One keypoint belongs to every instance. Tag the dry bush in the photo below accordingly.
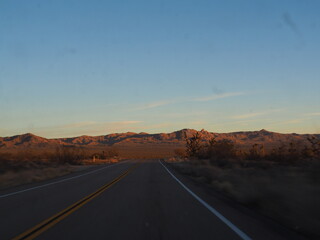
(19, 161)
(256, 152)
(193, 145)
(69, 154)
(315, 147)
(288, 154)
(222, 149)
(13, 178)
(111, 153)
(214, 150)
(218, 151)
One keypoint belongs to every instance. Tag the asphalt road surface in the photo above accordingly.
(129, 200)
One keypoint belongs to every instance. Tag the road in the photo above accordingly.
(130, 200)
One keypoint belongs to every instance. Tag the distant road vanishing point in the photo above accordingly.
(129, 200)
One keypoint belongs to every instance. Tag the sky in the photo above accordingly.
(71, 68)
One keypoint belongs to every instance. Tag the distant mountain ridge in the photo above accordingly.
(177, 137)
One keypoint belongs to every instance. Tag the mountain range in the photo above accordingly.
(174, 138)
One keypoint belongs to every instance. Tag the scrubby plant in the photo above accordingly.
(222, 149)
(193, 145)
(315, 146)
(69, 154)
(306, 152)
(294, 152)
(256, 152)
(111, 153)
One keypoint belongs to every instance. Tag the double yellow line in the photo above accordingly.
(48, 223)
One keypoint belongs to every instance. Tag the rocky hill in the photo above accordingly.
(131, 138)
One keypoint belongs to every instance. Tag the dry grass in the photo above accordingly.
(15, 178)
(288, 194)
(26, 165)
(33, 165)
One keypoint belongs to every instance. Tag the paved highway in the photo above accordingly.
(129, 200)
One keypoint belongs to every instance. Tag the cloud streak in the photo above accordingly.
(154, 104)
(173, 101)
(256, 114)
(78, 124)
(313, 114)
(218, 96)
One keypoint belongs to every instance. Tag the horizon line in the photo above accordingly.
(85, 135)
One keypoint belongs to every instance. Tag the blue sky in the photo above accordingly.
(70, 68)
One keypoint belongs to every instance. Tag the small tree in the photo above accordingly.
(193, 145)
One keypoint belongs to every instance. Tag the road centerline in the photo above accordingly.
(51, 221)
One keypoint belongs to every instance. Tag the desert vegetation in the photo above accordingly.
(197, 150)
(282, 183)
(21, 166)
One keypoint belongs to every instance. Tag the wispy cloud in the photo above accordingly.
(218, 96)
(198, 122)
(313, 114)
(287, 122)
(294, 121)
(184, 114)
(128, 122)
(78, 124)
(255, 114)
(154, 104)
(92, 124)
(249, 115)
(245, 121)
(165, 102)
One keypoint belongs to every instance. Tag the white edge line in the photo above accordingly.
(211, 209)
(60, 181)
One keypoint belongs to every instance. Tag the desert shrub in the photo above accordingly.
(306, 152)
(291, 153)
(294, 151)
(111, 153)
(256, 152)
(278, 154)
(222, 149)
(193, 145)
(27, 155)
(315, 146)
(219, 152)
(69, 154)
